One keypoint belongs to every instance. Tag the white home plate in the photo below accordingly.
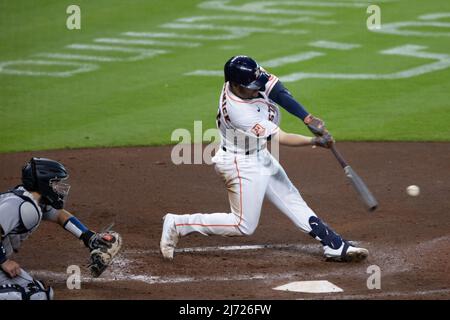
(321, 286)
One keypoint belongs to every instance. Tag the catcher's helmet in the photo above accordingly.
(246, 72)
(45, 176)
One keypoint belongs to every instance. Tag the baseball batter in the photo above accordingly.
(247, 118)
(42, 196)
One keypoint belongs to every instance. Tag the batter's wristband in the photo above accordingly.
(3, 257)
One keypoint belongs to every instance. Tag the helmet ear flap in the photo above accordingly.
(227, 69)
(34, 173)
(29, 176)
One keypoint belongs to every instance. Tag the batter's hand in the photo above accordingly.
(324, 141)
(315, 125)
(11, 268)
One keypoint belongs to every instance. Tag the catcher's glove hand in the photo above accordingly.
(104, 247)
(316, 125)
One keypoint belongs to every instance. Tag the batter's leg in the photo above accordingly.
(285, 196)
(246, 190)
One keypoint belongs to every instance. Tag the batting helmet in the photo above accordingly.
(46, 177)
(246, 72)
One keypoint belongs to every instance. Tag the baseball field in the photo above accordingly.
(103, 88)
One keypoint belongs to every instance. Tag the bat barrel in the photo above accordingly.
(367, 197)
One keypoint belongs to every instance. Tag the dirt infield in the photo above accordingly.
(408, 237)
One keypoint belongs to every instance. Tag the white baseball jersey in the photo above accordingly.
(248, 176)
(246, 124)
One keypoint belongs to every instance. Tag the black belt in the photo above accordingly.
(246, 153)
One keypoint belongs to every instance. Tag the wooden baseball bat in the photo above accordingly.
(367, 197)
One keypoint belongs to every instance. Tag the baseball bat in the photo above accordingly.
(359, 185)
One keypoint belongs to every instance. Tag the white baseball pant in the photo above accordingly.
(248, 178)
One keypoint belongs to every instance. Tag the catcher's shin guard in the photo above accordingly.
(38, 291)
(35, 290)
(12, 292)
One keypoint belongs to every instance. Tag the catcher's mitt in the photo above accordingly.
(104, 247)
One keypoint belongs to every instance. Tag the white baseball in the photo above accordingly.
(413, 191)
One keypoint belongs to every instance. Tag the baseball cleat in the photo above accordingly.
(346, 253)
(169, 237)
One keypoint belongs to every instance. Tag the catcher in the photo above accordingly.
(42, 196)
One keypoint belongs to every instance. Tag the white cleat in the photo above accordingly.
(346, 253)
(169, 237)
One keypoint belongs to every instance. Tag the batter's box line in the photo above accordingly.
(149, 279)
(308, 248)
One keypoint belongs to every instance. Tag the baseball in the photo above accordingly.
(413, 191)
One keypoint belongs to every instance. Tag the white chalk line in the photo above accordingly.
(264, 7)
(119, 269)
(147, 42)
(405, 50)
(395, 28)
(234, 29)
(143, 53)
(155, 280)
(205, 73)
(274, 21)
(232, 32)
(278, 62)
(148, 279)
(231, 36)
(259, 7)
(309, 248)
(334, 45)
(239, 32)
(434, 16)
(95, 47)
(120, 275)
(412, 50)
(75, 66)
(409, 50)
(291, 59)
(69, 56)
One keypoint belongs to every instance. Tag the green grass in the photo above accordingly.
(142, 102)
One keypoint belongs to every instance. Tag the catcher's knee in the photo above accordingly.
(35, 290)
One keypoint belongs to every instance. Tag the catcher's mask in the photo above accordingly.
(48, 178)
(246, 72)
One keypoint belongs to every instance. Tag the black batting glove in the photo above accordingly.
(324, 141)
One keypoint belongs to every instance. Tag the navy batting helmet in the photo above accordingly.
(246, 72)
(46, 177)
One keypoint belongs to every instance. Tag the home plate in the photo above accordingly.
(321, 286)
